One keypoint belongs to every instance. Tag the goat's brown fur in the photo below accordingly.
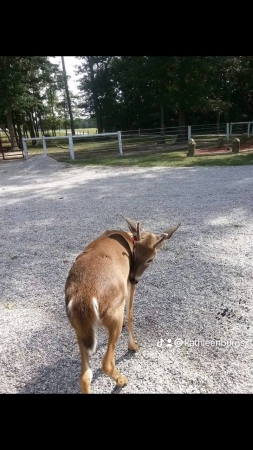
(101, 281)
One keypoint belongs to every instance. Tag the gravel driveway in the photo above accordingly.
(193, 307)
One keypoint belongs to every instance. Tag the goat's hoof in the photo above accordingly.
(133, 347)
(122, 381)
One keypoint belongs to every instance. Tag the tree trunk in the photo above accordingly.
(36, 126)
(14, 146)
(41, 125)
(20, 136)
(95, 96)
(16, 134)
(162, 139)
(52, 111)
(68, 97)
(51, 102)
(25, 134)
(218, 122)
(101, 125)
(33, 118)
(182, 134)
(228, 108)
(32, 133)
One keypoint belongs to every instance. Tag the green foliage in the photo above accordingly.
(22, 80)
(52, 123)
(127, 92)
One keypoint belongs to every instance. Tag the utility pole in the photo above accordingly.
(68, 97)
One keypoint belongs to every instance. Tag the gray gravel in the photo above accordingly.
(193, 307)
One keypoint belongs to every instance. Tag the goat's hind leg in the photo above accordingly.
(87, 346)
(86, 373)
(130, 315)
(114, 325)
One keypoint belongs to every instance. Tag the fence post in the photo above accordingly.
(44, 145)
(189, 132)
(227, 131)
(120, 143)
(248, 133)
(71, 148)
(25, 148)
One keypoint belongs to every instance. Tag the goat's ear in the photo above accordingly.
(134, 227)
(162, 237)
(171, 230)
(160, 240)
(138, 231)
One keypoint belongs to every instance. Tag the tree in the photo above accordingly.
(68, 96)
(22, 82)
(125, 92)
(97, 88)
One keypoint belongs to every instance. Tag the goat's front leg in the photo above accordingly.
(129, 312)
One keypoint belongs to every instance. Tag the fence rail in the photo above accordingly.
(70, 139)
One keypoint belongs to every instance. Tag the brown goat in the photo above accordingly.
(101, 281)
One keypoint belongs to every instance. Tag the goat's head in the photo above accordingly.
(145, 247)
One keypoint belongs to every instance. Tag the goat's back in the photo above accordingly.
(101, 270)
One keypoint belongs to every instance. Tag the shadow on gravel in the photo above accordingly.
(63, 377)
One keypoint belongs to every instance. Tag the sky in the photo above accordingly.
(70, 62)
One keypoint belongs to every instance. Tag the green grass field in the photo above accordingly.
(59, 133)
(78, 131)
(148, 158)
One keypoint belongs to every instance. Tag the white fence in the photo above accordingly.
(222, 129)
(142, 139)
(70, 140)
(171, 138)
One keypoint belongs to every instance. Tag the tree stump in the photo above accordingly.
(191, 147)
(236, 145)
